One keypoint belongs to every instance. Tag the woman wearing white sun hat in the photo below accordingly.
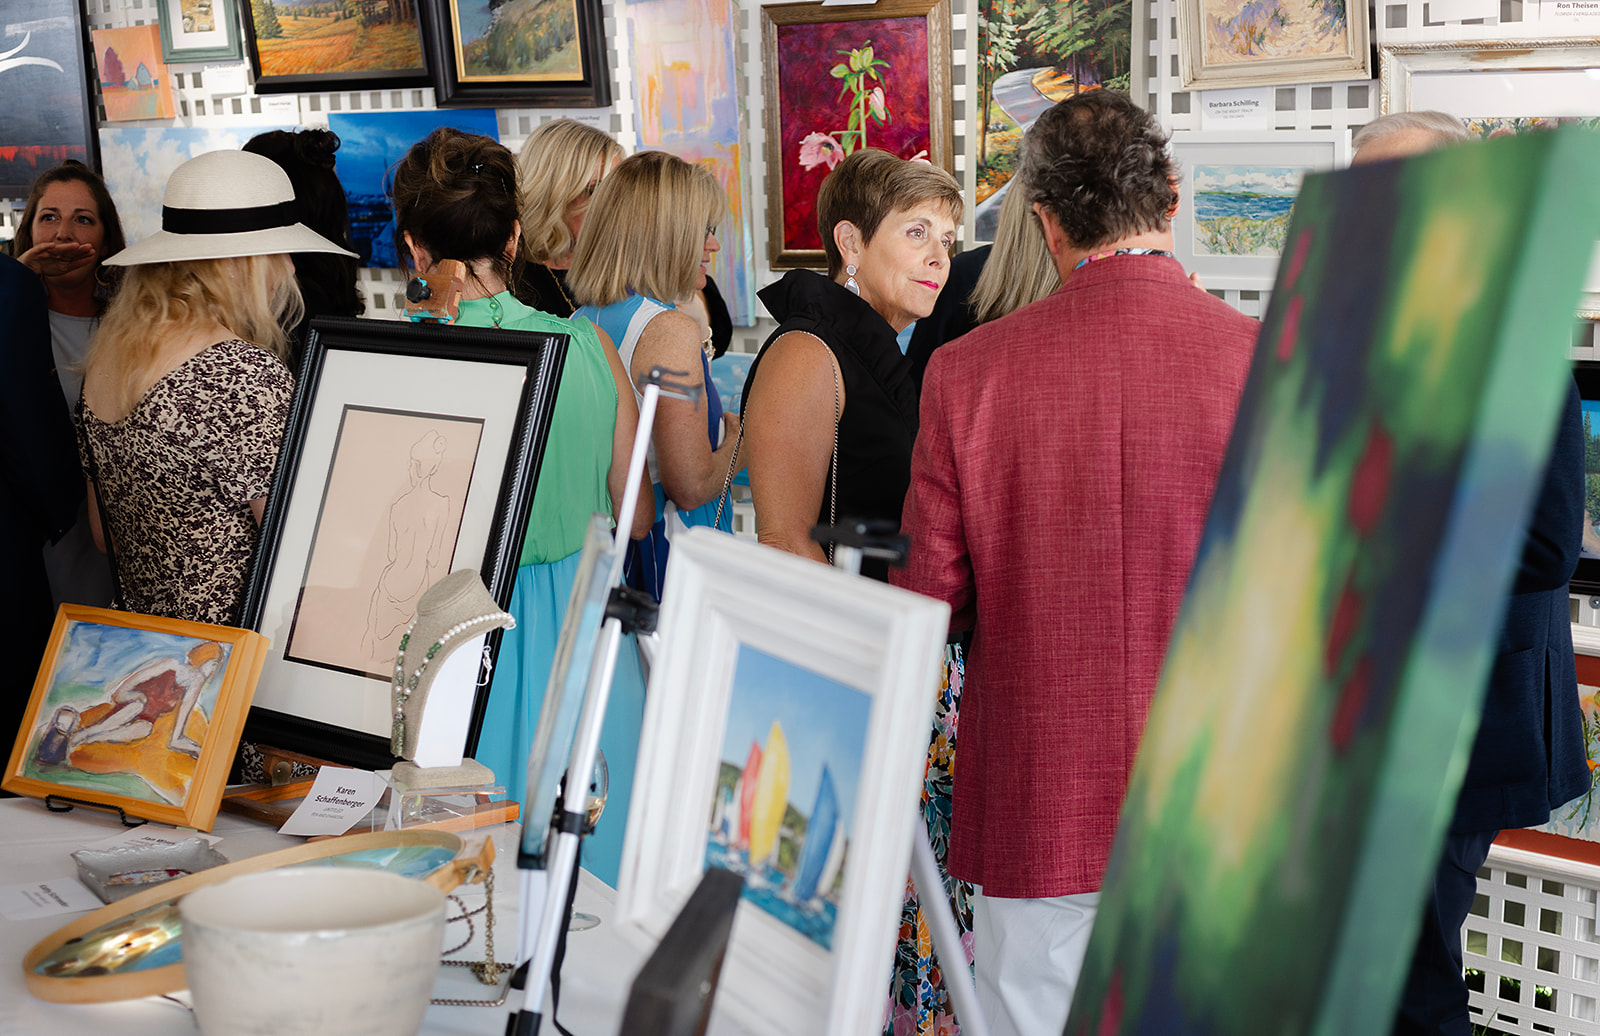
(185, 393)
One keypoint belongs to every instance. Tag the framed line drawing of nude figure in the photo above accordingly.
(412, 450)
(387, 530)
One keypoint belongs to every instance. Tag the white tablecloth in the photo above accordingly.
(35, 845)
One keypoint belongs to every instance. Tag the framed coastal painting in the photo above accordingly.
(134, 83)
(44, 57)
(1225, 44)
(1035, 53)
(200, 30)
(370, 143)
(784, 736)
(839, 79)
(303, 46)
(1237, 196)
(1498, 87)
(517, 53)
(411, 451)
(137, 713)
(1342, 607)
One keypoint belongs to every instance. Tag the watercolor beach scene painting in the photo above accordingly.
(786, 789)
(1243, 210)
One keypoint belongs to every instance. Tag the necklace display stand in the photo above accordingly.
(436, 678)
(546, 901)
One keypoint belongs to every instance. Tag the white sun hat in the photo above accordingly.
(224, 205)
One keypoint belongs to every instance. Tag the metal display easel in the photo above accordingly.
(540, 934)
(883, 542)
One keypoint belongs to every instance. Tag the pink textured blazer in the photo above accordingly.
(1059, 484)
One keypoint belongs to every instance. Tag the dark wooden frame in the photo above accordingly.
(334, 82)
(941, 132)
(541, 357)
(593, 90)
(83, 76)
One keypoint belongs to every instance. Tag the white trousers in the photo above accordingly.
(1027, 954)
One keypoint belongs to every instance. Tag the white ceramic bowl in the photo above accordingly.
(312, 950)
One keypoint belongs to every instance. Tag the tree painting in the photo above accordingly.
(111, 73)
(1036, 53)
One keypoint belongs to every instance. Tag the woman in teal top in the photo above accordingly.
(455, 197)
(648, 234)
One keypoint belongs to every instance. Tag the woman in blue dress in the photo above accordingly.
(649, 233)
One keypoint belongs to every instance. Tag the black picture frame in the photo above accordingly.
(363, 364)
(450, 90)
(1586, 580)
(49, 64)
(269, 82)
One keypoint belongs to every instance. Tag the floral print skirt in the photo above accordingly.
(919, 1004)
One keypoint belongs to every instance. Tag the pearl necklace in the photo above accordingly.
(403, 687)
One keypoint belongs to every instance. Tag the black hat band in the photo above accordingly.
(228, 221)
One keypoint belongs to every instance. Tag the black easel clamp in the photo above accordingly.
(633, 609)
(63, 804)
(875, 538)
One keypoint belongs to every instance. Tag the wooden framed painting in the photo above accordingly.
(303, 46)
(1226, 44)
(411, 451)
(138, 713)
(785, 737)
(134, 82)
(1237, 195)
(517, 53)
(842, 78)
(1498, 87)
(200, 30)
(46, 60)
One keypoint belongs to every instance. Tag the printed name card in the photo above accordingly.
(1570, 13)
(337, 799)
(1237, 109)
(45, 898)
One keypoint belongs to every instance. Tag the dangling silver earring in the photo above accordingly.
(850, 279)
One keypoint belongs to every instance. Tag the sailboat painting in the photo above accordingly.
(786, 789)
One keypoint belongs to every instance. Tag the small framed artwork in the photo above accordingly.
(785, 735)
(304, 46)
(1226, 44)
(138, 713)
(1498, 87)
(411, 451)
(46, 52)
(134, 83)
(200, 30)
(1237, 195)
(484, 53)
(843, 78)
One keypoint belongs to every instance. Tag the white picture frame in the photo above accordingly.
(727, 601)
(1257, 164)
(1498, 79)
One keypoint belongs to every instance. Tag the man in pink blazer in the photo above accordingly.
(1059, 483)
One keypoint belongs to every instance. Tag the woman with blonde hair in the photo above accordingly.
(649, 233)
(186, 394)
(560, 165)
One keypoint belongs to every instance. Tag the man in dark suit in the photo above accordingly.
(1529, 756)
(40, 481)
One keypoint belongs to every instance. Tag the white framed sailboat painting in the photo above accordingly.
(785, 736)
(786, 787)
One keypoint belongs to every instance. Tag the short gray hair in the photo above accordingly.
(1442, 127)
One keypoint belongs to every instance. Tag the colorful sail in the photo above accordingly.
(820, 832)
(772, 796)
(747, 794)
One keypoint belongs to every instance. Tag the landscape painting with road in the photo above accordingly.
(1036, 53)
